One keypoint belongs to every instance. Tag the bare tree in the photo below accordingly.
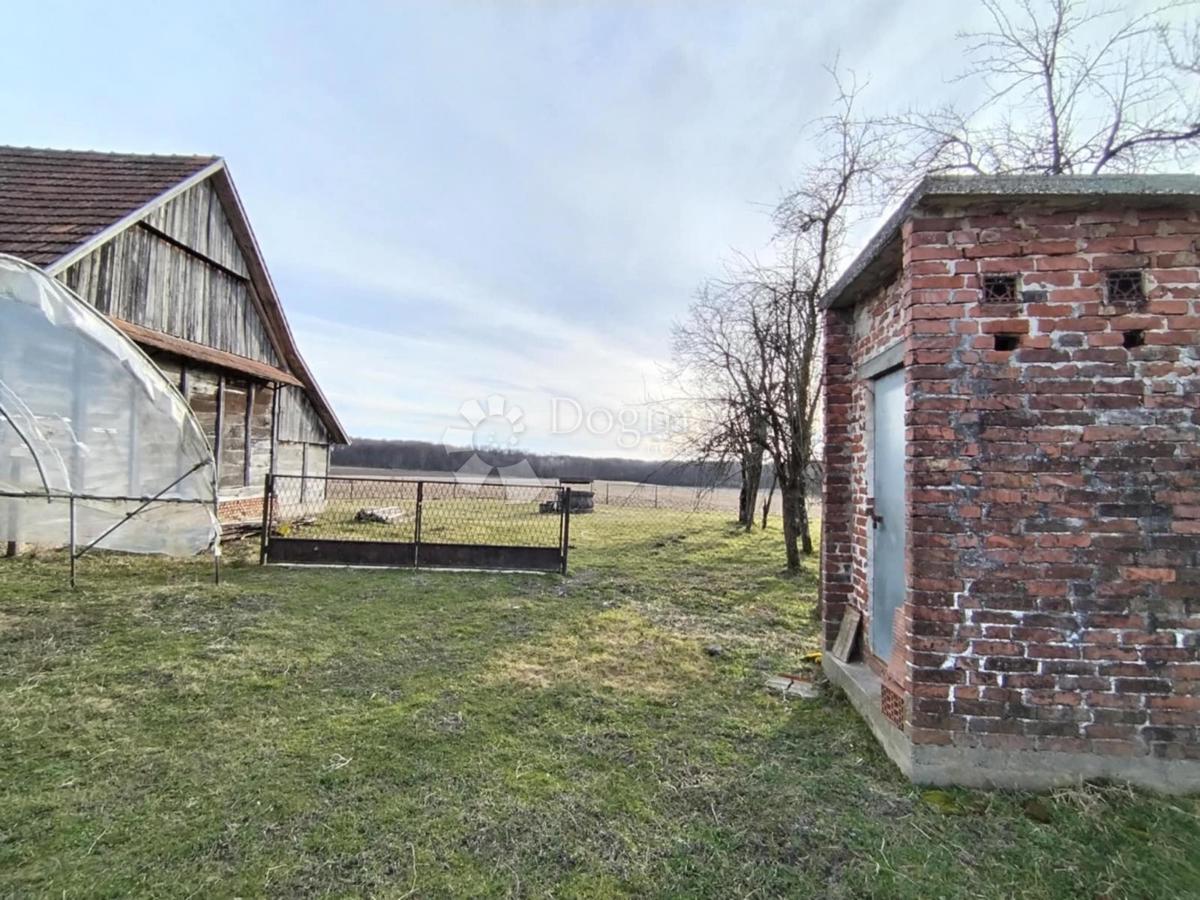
(756, 333)
(781, 298)
(722, 369)
(854, 159)
(1069, 86)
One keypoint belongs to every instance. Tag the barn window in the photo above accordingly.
(1125, 286)
(1000, 288)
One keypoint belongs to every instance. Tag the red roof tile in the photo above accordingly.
(51, 201)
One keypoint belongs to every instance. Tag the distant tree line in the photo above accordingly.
(424, 456)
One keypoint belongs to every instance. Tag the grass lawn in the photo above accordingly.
(300, 732)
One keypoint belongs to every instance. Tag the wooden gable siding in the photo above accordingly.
(196, 219)
(298, 420)
(152, 279)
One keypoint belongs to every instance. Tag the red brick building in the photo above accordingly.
(1012, 487)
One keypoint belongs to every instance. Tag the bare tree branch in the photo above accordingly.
(755, 334)
(1068, 86)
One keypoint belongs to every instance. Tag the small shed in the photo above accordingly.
(1012, 481)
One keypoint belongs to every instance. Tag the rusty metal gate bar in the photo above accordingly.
(565, 526)
(417, 524)
(477, 526)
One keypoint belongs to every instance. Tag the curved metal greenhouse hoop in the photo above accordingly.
(29, 444)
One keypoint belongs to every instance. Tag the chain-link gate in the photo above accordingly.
(402, 522)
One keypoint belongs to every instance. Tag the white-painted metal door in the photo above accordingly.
(887, 456)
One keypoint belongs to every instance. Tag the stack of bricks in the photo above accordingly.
(1053, 484)
(242, 509)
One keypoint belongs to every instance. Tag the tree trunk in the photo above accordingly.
(797, 536)
(766, 512)
(806, 541)
(752, 464)
(791, 526)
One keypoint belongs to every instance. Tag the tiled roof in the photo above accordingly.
(51, 201)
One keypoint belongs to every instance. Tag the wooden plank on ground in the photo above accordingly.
(847, 639)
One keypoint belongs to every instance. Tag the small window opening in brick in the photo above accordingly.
(1006, 342)
(1134, 338)
(1125, 286)
(1000, 289)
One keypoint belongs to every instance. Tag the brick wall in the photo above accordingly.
(879, 322)
(837, 540)
(875, 324)
(851, 338)
(1054, 488)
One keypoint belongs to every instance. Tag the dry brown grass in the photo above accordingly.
(620, 651)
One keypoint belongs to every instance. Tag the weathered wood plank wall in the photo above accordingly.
(181, 272)
(197, 220)
(233, 436)
(260, 436)
(303, 444)
(298, 420)
(239, 474)
(143, 277)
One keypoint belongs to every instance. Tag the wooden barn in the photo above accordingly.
(162, 246)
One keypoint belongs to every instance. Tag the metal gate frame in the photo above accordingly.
(414, 553)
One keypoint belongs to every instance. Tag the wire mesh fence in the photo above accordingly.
(388, 521)
(721, 498)
(682, 498)
(350, 518)
(650, 512)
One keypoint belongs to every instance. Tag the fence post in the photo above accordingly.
(417, 524)
(559, 500)
(566, 528)
(267, 518)
(13, 512)
(71, 537)
(656, 496)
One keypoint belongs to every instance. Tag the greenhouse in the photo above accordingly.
(97, 447)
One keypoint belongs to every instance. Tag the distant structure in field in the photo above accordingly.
(161, 246)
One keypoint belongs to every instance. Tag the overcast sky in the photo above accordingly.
(465, 199)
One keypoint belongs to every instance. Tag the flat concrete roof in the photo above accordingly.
(880, 258)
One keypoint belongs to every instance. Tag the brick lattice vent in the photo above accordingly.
(892, 703)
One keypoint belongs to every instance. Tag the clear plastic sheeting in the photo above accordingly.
(84, 414)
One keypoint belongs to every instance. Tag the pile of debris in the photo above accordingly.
(382, 515)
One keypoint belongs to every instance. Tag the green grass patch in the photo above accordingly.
(302, 732)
